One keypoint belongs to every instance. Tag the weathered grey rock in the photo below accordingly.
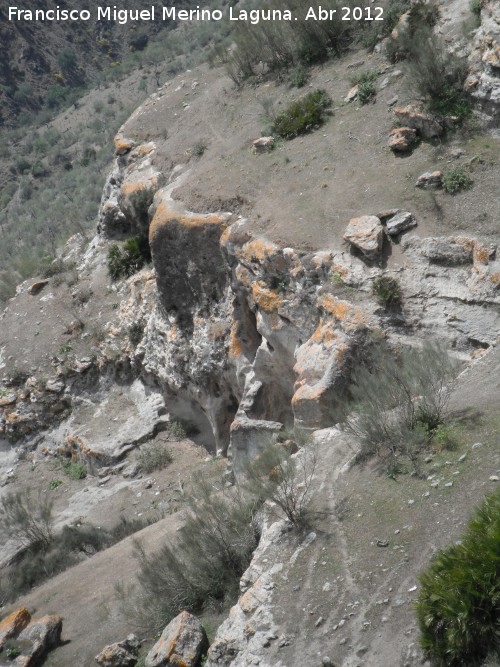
(55, 385)
(448, 251)
(366, 234)
(430, 179)
(400, 222)
(44, 634)
(182, 643)
(425, 124)
(352, 94)
(402, 139)
(262, 145)
(120, 654)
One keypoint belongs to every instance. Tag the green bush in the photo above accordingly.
(366, 92)
(303, 115)
(456, 179)
(125, 260)
(387, 291)
(74, 469)
(214, 548)
(155, 456)
(135, 332)
(398, 400)
(140, 202)
(299, 77)
(475, 7)
(177, 430)
(458, 606)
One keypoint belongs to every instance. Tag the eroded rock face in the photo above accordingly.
(483, 82)
(182, 644)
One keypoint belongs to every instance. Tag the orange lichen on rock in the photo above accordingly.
(324, 333)
(164, 214)
(234, 348)
(348, 315)
(267, 299)
(495, 279)
(466, 242)
(258, 250)
(143, 150)
(14, 623)
(130, 187)
(481, 254)
(123, 145)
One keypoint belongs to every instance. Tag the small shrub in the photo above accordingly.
(299, 77)
(154, 457)
(27, 520)
(140, 202)
(475, 7)
(54, 484)
(177, 430)
(456, 179)
(387, 291)
(303, 115)
(135, 332)
(127, 259)
(457, 608)
(399, 400)
(199, 148)
(366, 92)
(74, 469)
(284, 479)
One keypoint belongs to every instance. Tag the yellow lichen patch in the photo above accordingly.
(258, 250)
(164, 214)
(143, 149)
(14, 623)
(324, 333)
(234, 347)
(130, 187)
(340, 269)
(495, 279)
(267, 299)
(308, 393)
(481, 254)
(348, 315)
(122, 145)
(466, 242)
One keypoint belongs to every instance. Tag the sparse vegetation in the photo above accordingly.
(177, 430)
(203, 569)
(398, 401)
(27, 520)
(135, 332)
(155, 456)
(74, 469)
(303, 115)
(126, 259)
(456, 179)
(387, 291)
(457, 607)
(366, 85)
(140, 202)
(284, 479)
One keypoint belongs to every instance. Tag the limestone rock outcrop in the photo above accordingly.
(366, 234)
(483, 82)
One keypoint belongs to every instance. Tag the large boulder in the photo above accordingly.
(120, 654)
(39, 637)
(424, 123)
(13, 624)
(402, 139)
(365, 233)
(182, 644)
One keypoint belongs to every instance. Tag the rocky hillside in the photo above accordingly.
(262, 285)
